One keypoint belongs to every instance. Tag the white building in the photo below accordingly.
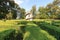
(29, 16)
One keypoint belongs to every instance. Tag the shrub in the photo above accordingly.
(33, 33)
(7, 35)
(53, 30)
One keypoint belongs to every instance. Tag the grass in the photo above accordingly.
(9, 24)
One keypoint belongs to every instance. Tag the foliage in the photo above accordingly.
(7, 35)
(22, 11)
(33, 10)
(8, 6)
(29, 30)
(51, 28)
(33, 32)
(51, 11)
(5, 6)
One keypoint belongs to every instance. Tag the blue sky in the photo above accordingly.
(27, 4)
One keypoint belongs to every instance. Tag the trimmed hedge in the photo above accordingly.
(53, 30)
(7, 35)
(32, 27)
(11, 35)
(56, 23)
(33, 33)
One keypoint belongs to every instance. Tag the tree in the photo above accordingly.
(43, 13)
(5, 6)
(9, 15)
(56, 2)
(22, 11)
(16, 11)
(54, 10)
(51, 11)
(33, 10)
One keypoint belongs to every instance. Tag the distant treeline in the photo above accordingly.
(8, 10)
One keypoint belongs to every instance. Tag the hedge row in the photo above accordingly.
(33, 28)
(11, 35)
(7, 35)
(56, 23)
(32, 32)
(52, 29)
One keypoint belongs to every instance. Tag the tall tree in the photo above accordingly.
(56, 2)
(33, 10)
(42, 12)
(5, 6)
(22, 11)
(54, 9)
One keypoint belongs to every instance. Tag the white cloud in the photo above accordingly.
(19, 1)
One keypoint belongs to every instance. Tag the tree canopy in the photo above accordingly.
(51, 11)
(9, 9)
